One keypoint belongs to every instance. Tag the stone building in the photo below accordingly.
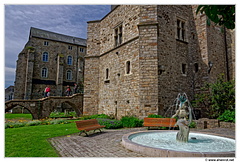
(49, 58)
(139, 57)
(9, 93)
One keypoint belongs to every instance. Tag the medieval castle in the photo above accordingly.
(135, 60)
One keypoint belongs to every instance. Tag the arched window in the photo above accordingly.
(69, 60)
(69, 75)
(45, 57)
(128, 67)
(44, 72)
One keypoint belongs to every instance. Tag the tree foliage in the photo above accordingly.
(219, 14)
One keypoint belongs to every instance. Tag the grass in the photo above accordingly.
(32, 141)
(18, 116)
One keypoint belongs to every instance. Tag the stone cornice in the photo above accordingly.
(113, 48)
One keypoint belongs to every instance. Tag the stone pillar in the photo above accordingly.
(148, 60)
(59, 79)
(29, 75)
(91, 70)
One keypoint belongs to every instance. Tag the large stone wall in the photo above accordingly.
(157, 56)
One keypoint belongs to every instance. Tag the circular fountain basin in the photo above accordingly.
(164, 144)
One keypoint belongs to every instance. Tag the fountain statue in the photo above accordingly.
(184, 114)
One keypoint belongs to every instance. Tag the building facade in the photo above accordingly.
(9, 93)
(51, 59)
(139, 57)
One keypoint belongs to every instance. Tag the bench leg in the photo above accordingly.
(98, 129)
(83, 132)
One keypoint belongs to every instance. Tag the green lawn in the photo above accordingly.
(18, 116)
(32, 141)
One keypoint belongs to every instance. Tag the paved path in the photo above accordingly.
(106, 144)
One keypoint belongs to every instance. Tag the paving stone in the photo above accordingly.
(107, 144)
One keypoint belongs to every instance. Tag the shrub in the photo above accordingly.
(227, 116)
(103, 116)
(110, 124)
(217, 97)
(18, 124)
(33, 123)
(131, 121)
(192, 125)
(155, 116)
(14, 124)
(62, 115)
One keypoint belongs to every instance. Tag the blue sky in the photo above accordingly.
(64, 19)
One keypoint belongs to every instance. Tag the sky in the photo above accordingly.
(64, 19)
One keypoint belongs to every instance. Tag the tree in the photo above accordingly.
(219, 14)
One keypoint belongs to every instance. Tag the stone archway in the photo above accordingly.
(12, 106)
(75, 108)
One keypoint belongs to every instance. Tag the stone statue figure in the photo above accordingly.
(184, 114)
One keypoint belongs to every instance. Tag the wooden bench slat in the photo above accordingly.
(159, 122)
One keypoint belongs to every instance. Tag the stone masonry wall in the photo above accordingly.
(91, 71)
(157, 57)
(174, 52)
(148, 60)
(117, 95)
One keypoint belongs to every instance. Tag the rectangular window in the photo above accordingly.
(45, 43)
(118, 35)
(70, 47)
(81, 49)
(184, 68)
(128, 67)
(181, 30)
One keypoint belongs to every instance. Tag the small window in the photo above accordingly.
(45, 43)
(45, 57)
(70, 47)
(128, 67)
(181, 30)
(118, 35)
(107, 74)
(69, 75)
(196, 67)
(44, 72)
(184, 67)
(81, 49)
(69, 60)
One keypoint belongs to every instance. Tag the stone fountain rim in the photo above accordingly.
(159, 152)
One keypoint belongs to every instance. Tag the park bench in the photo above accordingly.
(159, 122)
(86, 125)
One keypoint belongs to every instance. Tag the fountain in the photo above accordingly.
(183, 112)
(170, 143)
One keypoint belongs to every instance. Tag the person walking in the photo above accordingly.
(68, 91)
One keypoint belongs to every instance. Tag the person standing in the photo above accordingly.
(47, 91)
(75, 88)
